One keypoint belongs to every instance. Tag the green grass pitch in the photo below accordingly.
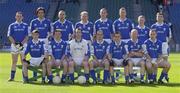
(18, 87)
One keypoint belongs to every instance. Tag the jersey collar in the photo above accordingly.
(41, 20)
(100, 42)
(84, 23)
(78, 41)
(105, 20)
(153, 41)
(141, 27)
(58, 41)
(35, 42)
(117, 43)
(18, 22)
(62, 22)
(122, 20)
(158, 24)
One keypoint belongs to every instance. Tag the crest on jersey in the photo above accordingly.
(15, 27)
(35, 24)
(98, 25)
(24, 27)
(164, 29)
(45, 25)
(103, 47)
(39, 46)
(54, 46)
(127, 24)
(31, 46)
(89, 28)
(61, 46)
(119, 24)
(107, 24)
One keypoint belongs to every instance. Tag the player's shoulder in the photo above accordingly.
(90, 23)
(34, 20)
(116, 21)
(105, 42)
(68, 22)
(12, 24)
(25, 24)
(71, 41)
(47, 20)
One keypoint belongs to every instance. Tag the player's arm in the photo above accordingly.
(11, 39)
(145, 52)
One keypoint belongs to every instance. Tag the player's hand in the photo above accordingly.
(125, 62)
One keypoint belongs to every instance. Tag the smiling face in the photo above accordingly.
(152, 34)
(57, 35)
(117, 37)
(134, 34)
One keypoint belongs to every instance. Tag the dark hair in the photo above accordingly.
(40, 8)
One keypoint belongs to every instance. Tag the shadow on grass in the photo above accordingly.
(107, 85)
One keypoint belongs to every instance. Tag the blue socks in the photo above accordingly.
(13, 74)
(93, 75)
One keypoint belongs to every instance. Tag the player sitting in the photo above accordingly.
(36, 50)
(99, 53)
(78, 54)
(153, 50)
(135, 54)
(117, 56)
(57, 49)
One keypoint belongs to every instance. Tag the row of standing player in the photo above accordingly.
(122, 25)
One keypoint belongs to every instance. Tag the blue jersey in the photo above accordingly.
(153, 49)
(163, 31)
(66, 28)
(43, 26)
(134, 47)
(100, 49)
(124, 27)
(18, 31)
(87, 29)
(57, 49)
(36, 49)
(143, 33)
(105, 26)
(117, 51)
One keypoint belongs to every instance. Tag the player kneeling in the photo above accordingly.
(99, 53)
(135, 55)
(57, 50)
(117, 56)
(153, 48)
(36, 50)
(78, 55)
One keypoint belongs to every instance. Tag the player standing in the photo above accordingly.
(18, 36)
(105, 25)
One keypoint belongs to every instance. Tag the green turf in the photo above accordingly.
(18, 87)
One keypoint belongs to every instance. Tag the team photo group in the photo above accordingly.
(104, 44)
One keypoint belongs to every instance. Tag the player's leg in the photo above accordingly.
(92, 65)
(106, 71)
(65, 70)
(25, 71)
(13, 66)
(43, 63)
(155, 70)
(149, 71)
(86, 69)
(111, 70)
(164, 74)
(142, 70)
(49, 72)
(71, 70)
(130, 67)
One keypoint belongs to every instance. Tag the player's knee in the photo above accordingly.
(85, 64)
(71, 64)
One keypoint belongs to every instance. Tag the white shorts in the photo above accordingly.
(165, 49)
(36, 61)
(108, 41)
(15, 50)
(78, 61)
(118, 62)
(136, 61)
(154, 61)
